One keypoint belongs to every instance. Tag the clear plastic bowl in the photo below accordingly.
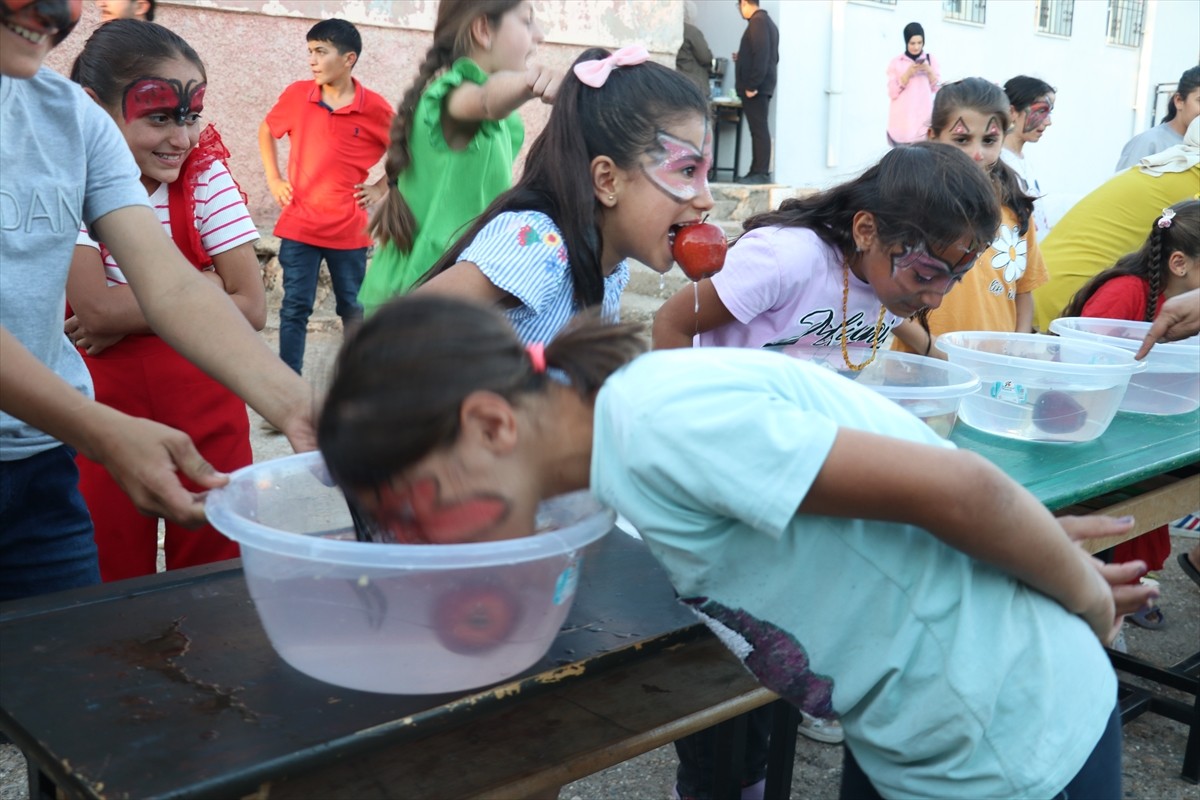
(1040, 388)
(927, 387)
(393, 618)
(1170, 383)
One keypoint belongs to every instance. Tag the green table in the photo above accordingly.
(1134, 468)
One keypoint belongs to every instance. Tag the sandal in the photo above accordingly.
(1148, 618)
(1189, 569)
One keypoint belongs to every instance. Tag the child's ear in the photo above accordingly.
(1178, 263)
(90, 93)
(606, 180)
(490, 421)
(929, 134)
(351, 59)
(481, 32)
(863, 228)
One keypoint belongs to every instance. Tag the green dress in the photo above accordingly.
(446, 189)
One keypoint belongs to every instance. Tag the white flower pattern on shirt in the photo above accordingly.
(1010, 253)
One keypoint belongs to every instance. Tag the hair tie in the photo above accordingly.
(537, 356)
(594, 73)
(1167, 216)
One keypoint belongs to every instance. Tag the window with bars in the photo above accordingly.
(965, 10)
(1125, 19)
(1054, 16)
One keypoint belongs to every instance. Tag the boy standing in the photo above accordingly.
(338, 130)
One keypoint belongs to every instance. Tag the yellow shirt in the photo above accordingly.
(1113, 220)
(986, 298)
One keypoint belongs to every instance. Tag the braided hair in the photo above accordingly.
(393, 220)
(1150, 262)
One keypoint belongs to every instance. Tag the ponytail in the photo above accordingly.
(400, 381)
(393, 221)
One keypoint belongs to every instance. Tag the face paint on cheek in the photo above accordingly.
(667, 166)
(1037, 116)
(167, 96)
(418, 516)
(959, 128)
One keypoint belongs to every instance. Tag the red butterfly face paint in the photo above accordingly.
(1038, 115)
(415, 514)
(166, 97)
(678, 167)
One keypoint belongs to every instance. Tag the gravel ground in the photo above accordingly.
(1153, 751)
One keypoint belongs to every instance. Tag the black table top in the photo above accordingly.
(167, 686)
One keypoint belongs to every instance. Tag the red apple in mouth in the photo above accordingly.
(699, 249)
(475, 618)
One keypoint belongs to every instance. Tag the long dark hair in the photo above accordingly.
(987, 99)
(393, 221)
(1023, 91)
(1150, 261)
(923, 192)
(620, 120)
(1189, 82)
(123, 50)
(400, 381)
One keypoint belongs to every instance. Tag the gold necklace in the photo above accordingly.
(845, 313)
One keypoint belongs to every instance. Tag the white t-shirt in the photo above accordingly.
(784, 285)
(1029, 183)
(221, 217)
(951, 678)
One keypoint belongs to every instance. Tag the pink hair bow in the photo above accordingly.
(595, 73)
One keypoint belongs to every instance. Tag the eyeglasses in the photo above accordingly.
(930, 271)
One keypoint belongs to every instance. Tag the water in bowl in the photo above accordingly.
(1162, 393)
(1019, 418)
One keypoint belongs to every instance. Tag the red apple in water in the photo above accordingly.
(475, 618)
(699, 249)
(1058, 412)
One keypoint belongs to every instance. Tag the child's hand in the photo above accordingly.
(281, 190)
(93, 344)
(1127, 597)
(543, 82)
(369, 194)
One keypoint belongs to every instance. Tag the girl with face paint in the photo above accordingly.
(75, 168)
(1031, 108)
(782, 503)
(153, 85)
(841, 268)
(972, 115)
(622, 163)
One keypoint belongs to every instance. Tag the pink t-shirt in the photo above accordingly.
(784, 285)
(912, 103)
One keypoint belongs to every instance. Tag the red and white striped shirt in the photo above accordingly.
(221, 217)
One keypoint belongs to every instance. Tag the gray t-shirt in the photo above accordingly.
(64, 163)
(1147, 143)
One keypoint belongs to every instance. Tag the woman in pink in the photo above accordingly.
(912, 81)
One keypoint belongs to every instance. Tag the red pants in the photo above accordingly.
(143, 377)
(1153, 547)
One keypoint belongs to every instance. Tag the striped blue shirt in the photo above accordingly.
(522, 253)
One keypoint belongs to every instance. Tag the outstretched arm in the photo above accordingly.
(200, 321)
(143, 456)
(1179, 318)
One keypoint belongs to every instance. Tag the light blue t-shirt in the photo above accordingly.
(63, 163)
(522, 252)
(951, 678)
(1147, 143)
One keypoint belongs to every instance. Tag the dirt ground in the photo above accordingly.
(1153, 751)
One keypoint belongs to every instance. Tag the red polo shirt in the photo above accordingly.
(331, 151)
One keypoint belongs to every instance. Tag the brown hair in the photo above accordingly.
(400, 381)
(393, 221)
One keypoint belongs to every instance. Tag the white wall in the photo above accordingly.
(1102, 99)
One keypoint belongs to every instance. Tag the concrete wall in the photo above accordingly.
(1103, 90)
(252, 49)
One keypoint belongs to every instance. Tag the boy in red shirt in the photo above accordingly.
(338, 130)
